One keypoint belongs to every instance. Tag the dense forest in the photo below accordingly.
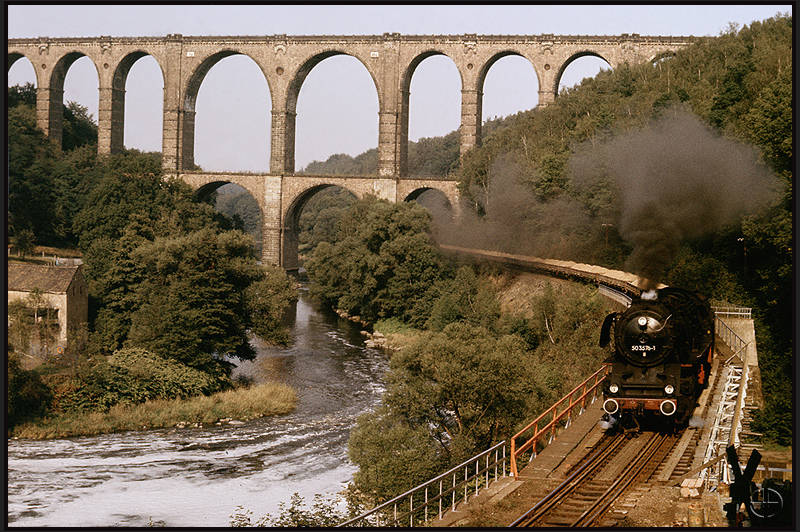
(174, 290)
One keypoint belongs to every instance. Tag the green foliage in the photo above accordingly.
(133, 376)
(453, 393)
(25, 242)
(320, 215)
(465, 298)
(244, 212)
(381, 263)
(191, 298)
(79, 127)
(267, 300)
(27, 396)
(40, 198)
(323, 513)
(392, 456)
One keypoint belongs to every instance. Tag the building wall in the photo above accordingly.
(73, 307)
(56, 301)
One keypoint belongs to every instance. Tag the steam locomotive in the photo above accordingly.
(663, 346)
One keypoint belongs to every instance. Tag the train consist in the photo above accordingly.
(624, 282)
(663, 346)
(663, 342)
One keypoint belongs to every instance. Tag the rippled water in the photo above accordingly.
(197, 477)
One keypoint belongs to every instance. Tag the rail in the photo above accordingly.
(733, 312)
(552, 418)
(401, 511)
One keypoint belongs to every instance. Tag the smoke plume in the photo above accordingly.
(673, 180)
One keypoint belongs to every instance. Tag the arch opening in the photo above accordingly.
(311, 219)
(22, 83)
(137, 104)
(432, 199)
(578, 68)
(434, 79)
(501, 98)
(226, 128)
(238, 205)
(328, 137)
(74, 93)
(20, 71)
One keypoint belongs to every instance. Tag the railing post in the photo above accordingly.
(487, 469)
(504, 461)
(411, 510)
(477, 470)
(466, 485)
(426, 504)
(440, 498)
(454, 492)
(513, 457)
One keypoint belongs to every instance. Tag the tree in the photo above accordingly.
(27, 396)
(25, 242)
(193, 304)
(381, 263)
(267, 300)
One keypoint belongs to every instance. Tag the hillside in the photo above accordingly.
(680, 169)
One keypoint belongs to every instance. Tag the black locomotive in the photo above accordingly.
(663, 345)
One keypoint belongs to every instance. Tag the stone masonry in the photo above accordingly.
(390, 59)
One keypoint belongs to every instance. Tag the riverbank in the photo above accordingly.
(237, 405)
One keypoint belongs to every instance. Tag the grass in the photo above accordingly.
(240, 404)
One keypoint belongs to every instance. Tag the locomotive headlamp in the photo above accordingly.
(642, 322)
(668, 389)
(613, 388)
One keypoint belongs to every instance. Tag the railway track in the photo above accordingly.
(614, 467)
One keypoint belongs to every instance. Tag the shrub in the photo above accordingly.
(28, 397)
(133, 375)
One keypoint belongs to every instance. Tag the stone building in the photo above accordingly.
(63, 289)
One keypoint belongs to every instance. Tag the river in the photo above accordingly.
(198, 477)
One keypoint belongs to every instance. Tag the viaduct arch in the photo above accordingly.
(285, 61)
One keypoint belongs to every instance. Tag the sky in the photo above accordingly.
(337, 110)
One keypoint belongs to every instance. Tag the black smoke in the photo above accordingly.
(673, 180)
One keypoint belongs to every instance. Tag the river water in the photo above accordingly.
(198, 477)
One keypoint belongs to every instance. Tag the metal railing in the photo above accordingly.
(734, 312)
(727, 423)
(727, 335)
(552, 419)
(442, 493)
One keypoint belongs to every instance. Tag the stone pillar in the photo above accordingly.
(271, 221)
(402, 134)
(546, 97)
(548, 84)
(282, 143)
(111, 120)
(186, 128)
(171, 123)
(388, 144)
(471, 109)
(49, 116)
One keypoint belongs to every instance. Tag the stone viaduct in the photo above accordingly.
(285, 61)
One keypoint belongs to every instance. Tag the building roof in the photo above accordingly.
(24, 277)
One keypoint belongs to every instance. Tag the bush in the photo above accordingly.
(133, 376)
(28, 397)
